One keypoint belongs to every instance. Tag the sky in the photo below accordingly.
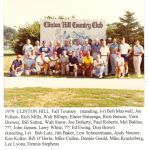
(19, 12)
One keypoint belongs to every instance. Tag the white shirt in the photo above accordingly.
(37, 48)
(104, 50)
(40, 61)
(138, 50)
(27, 48)
(120, 61)
(124, 48)
(29, 62)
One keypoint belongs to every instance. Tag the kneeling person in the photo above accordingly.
(42, 63)
(98, 67)
(87, 65)
(64, 60)
(29, 64)
(54, 64)
(16, 68)
(73, 61)
(119, 65)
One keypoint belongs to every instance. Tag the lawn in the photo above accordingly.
(48, 97)
(8, 58)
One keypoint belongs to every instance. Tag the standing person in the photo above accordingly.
(42, 63)
(27, 47)
(119, 65)
(70, 47)
(109, 41)
(125, 51)
(95, 48)
(77, 47)
(44, 48)
(16, 68)
(54, 64)
(87, 64)
(98, 66)
(59, 48)
(86, 47)
(52, 48)
(64, 60)
(37, 48)
(29, 65)
(104, 51)
(113, 51)
(137, 58)
(73, 62)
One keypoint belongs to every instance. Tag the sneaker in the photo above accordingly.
(100, 77)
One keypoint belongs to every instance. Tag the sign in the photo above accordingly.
(61, 29)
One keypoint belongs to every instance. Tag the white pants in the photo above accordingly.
(105, 59)
(137, 62)
(113, 61)
(99, 71)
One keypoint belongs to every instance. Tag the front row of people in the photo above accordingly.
(65, 65)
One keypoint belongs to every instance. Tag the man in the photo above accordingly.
(119, 65)
(87, 64)
(77, 47)
(98, 67)
(54, 64)
(95, 48)
(44, 49)
(80, 61)
(113, 50)
(137, 58)
(59, 48)
(70, 47)
(42, 63)
(27, 47)
(73, 61)
(125, 51)
(86, 47)
(52, 48)
(16, 68)
(37, 48)
(29, 64)
(104, 51)
(64, 60)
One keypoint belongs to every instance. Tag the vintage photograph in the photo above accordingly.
(71, 53)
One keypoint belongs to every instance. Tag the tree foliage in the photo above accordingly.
(128, 27)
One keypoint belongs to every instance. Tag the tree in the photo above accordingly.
(128, 27)
(31, 31)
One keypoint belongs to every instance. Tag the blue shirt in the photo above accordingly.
(114, 46)
(95, 48)
(16, 63)
(44, 49)
(73, 60)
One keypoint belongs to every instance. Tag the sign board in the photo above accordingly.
(60, 29)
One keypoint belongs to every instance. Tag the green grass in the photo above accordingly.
(48, 97)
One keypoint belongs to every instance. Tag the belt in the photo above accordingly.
(136, 55)
(103, 55)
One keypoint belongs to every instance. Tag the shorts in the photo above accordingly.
(126, 58)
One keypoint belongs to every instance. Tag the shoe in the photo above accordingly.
(100, 77)
(126, 75)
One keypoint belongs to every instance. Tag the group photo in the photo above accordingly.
(73, 58)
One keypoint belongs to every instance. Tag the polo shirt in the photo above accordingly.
(138, 50)
(16, 63)
(124, 48)
(104, 50)
(27, 48)
(64, 59)
(95, 47)
(86, 48)
(73, 60)
(44, 49)
(114, 48)
(29, 62)
(60, 50)
(87, 60)
(120, 61)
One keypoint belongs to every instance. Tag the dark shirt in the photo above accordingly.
(16, 63)
(44, 49)
(73, 60)
(60, 51)
(96, 48)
